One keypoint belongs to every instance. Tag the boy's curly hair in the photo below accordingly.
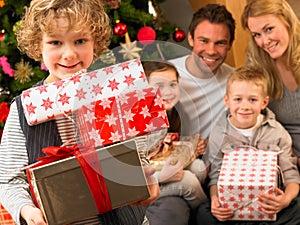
(80, 14)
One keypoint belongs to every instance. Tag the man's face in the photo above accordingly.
(211, 43)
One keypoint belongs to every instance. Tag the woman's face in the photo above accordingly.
(270, 34)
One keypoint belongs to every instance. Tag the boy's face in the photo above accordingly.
(168, 85)
(211, 43)
(245, 101)
(66, 51)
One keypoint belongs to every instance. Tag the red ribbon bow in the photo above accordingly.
(90, 166)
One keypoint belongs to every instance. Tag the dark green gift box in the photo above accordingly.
(64, 196)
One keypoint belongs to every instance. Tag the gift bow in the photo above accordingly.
(86, 157)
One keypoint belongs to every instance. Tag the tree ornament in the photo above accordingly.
(108, 57)
(129, 49)
(3, 35)
(120, 29)
(2, 3)
(178, 35)
(146, 35)
(23, 72)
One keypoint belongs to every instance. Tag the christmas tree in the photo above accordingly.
(130, 20)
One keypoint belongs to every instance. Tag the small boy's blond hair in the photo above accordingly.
(250, 74)
(79, 13)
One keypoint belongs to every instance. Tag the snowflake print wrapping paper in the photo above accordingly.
(122, 117)
(246, 172)
(46, 102)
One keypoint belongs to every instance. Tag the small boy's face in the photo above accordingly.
(66, 51)
(245, 101)
(168, 85)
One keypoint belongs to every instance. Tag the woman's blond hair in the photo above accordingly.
(260, 58)
(80, 14)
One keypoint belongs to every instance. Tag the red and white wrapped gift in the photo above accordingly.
(246, 172)
(48, 101)
(122, 117)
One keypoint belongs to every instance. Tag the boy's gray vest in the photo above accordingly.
(46, 134)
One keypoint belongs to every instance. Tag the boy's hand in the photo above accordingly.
(171, 171)
(272, 204)
(32, 215)
(222, 214)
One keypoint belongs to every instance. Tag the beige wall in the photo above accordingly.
(295, 4)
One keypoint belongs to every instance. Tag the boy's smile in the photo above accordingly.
(66, 51)
(245, 101)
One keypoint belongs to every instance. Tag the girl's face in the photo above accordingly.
(66, 51)
(245, 101)
(270, 34)
(168, 85)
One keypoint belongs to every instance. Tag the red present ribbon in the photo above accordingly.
(90, 166)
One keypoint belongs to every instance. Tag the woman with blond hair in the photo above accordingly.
(275, 48)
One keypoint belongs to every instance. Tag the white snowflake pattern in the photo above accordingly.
(132, 132)
(158, 101)
(150, 127)
(94, 135)
(105, 103)
(111, 119)
(140, 94)
(162, 114)
(145, 112)
(128, 115)
(89, 116)
(123, 99)
(115, 136)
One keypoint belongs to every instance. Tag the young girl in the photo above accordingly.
(173, 179)
(66, 35)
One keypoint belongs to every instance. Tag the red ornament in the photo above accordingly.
(2, 35)
(178, 35)
(146, 35)
(120, 29)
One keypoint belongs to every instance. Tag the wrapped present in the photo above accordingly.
(246, 172)
(62, 193)
(181, 148)
(122, 117)
(48, 101)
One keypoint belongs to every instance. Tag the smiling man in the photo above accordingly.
(203, 72)
(203, 76)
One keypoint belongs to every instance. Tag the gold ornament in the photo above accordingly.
(129, 49)
(2, 3)
(23, 72)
